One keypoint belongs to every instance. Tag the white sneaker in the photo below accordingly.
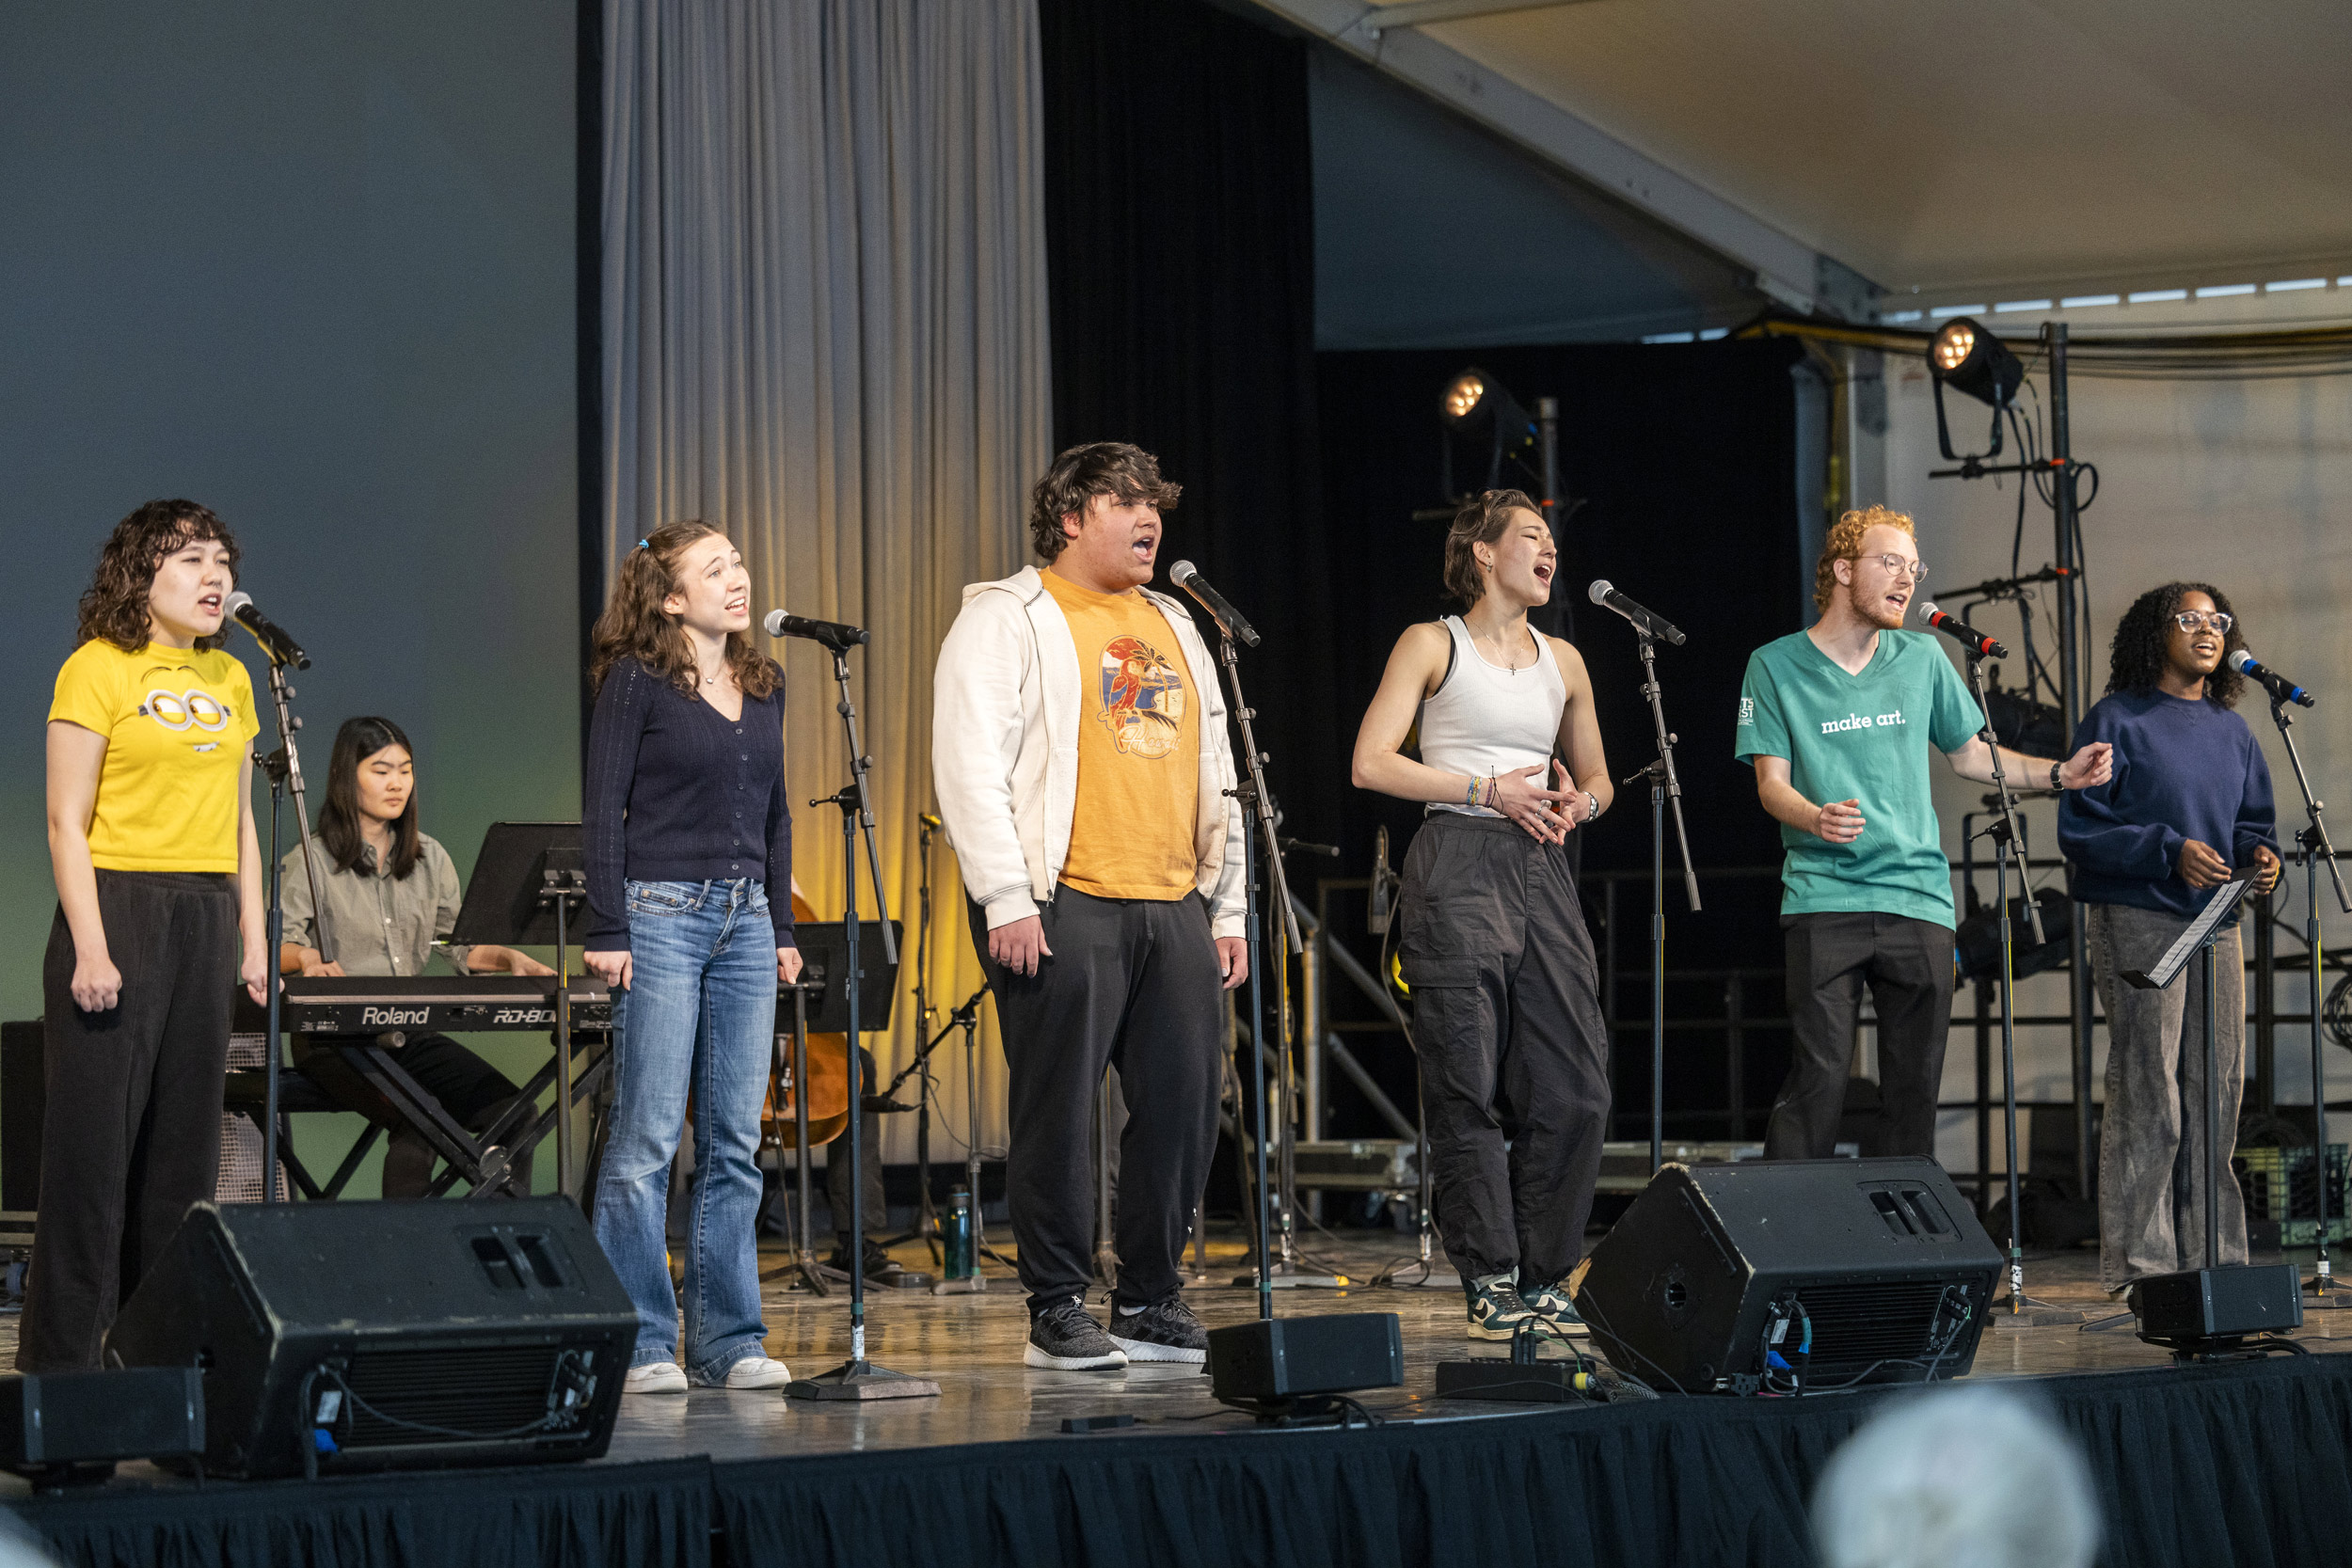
(757, 1371)
(655, 1377)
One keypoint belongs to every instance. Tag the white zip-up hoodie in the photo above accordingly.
(1005, 713)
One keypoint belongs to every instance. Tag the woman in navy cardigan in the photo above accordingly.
(687, 835)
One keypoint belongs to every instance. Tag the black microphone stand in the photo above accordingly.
(2002, 831)
(856, 1378)
(284, 767)
(1258, 820)
(1664, 786)
(2313, 848)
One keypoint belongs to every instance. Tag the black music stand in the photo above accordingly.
(819, 1007)
(528, 882)
(2254, 1298)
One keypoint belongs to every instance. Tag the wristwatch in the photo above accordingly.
(2055, 787)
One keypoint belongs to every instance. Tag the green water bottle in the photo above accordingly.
(955, 1234)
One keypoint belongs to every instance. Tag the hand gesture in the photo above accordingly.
(2200, 867)
(788, 965)
(1839, 822)
(1020, 947)
(2267, 877)
(613, 968)
(2093, 764)
(96, 983)
(1521, 796)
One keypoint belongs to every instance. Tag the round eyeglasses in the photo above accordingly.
(1897, 566)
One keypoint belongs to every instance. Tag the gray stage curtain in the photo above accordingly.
(825, 322)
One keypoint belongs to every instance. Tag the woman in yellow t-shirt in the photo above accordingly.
(159, 875)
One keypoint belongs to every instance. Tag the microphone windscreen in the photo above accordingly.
(238, 599)
(2242, 658)
(773, 624)
(1928, 612)
(1601, 590)
(1182, 573)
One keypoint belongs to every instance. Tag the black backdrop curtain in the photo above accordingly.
(1180, 239)
(1684, 460)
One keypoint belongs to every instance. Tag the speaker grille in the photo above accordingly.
(481, 1390)
(1855, 1325)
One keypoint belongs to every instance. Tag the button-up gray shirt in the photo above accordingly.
(380, 925)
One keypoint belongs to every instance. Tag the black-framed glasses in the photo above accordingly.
(2193, 620)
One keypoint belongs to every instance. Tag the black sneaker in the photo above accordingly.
(1064, 1338)
(1164, 1331)
(1550, 1303)
(1496, 1310)
(880, 1267)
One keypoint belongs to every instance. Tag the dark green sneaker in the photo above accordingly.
(1550, 1302)
(1496, 1309)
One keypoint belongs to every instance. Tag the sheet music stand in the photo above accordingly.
(2254, 1297)
(819, 1007)
(528, 883)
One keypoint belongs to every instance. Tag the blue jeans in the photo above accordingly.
(701, 1013)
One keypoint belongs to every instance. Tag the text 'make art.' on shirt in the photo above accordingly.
(1868, 739)
(1132, 834)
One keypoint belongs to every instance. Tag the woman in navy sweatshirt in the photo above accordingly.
(2189, 801)
(686, 836)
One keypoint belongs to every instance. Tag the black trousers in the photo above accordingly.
(1907, 964)
(472, 1091)
(1514, 1052)
(874, 1206)
(1134, 983)
(131, 1137)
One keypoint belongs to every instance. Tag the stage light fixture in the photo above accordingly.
(1476, 404)
(1976, 362)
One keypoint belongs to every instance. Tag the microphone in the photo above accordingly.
(1647, 622)
(1977, 644)
(1187, 577)
(276, 644)
(836, 635)
(930, 820)
(2280, 689)
(1377, 921)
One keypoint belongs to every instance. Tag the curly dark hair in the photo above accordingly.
(1481, 521)
(2136, 658)
(633, 624)
(114, 606)
(1114, 468)
(339, 832)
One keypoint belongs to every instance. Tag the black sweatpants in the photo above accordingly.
(1514, 1052)
(131, 1138)
(1134, 983)
(1907, 963)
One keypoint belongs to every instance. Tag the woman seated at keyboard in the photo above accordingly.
(391, 892)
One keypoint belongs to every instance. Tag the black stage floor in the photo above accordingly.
(2245, 1463)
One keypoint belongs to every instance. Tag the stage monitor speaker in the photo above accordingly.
(1276, 1365)
(53, 1424)
(373, 1335)
(1719, 1274)
(2206, 1310)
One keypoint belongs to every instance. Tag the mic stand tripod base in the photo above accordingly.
(860, 1381)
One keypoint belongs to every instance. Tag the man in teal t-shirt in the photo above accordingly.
(1838, 721)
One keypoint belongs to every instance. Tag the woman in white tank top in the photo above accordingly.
(1506, 1013)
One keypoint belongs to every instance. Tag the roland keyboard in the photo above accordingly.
(437, 1003)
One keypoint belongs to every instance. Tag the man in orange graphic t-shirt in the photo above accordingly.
(1080, 754)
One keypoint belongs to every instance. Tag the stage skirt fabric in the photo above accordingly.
(2247, 1465)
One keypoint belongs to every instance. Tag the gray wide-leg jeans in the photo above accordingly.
(2151, 1170)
